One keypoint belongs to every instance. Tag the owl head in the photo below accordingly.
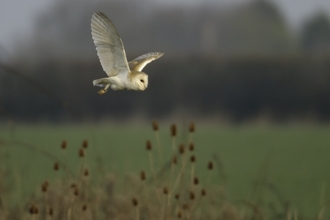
(141, 81)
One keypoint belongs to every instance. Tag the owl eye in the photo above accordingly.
(141, 80)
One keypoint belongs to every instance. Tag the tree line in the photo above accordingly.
(239, 89)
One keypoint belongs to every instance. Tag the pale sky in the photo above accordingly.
(18, 16)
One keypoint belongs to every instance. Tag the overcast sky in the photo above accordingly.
(18, 16)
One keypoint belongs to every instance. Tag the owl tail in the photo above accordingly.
(104, 82)
(101, 82)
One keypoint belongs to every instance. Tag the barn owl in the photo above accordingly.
(111, 52)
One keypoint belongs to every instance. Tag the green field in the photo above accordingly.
(294, 160)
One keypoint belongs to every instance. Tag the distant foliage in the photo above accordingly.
(239, 63)
(238, 89)
(316, 34)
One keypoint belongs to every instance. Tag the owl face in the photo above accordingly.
(141, 81)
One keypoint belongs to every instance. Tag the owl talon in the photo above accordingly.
(101, 92)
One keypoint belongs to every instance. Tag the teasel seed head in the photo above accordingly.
(73, 185)
(192, 127)
(85, 144)
(56, 166)
(177, 196)
(76, 191)
(36, 210)
(192, 159)
(165, 190)
(142, 175)
(196, 181)
(33, 209)
(179, 214)
(155, 126)
(192, 195)
(148, 145)
(64, 144)
(51, 211)
(191, 147)
(185, 206)
(210, 165)
(173, 130)
(181, 149)
(174, 160)
(44, 186)
(81, 152)
(203, 192)
(135, 202)
(86, 172)
(84, 207)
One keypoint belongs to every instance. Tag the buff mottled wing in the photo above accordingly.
(109, 46)
(140, 62)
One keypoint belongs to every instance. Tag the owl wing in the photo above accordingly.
(109, 46)
(140, 62)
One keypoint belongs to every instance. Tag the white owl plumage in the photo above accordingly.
(111, 52)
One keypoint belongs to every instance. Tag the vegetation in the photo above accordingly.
(237, 90)
(239, 63)
(100, 173)
(234, 65)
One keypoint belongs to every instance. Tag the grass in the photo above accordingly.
(271, 166)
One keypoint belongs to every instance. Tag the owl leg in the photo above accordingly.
(102, 91)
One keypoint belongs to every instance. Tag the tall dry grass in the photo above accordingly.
(169, 189)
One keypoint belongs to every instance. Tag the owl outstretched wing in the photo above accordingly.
(109, 46)
(140, 62)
